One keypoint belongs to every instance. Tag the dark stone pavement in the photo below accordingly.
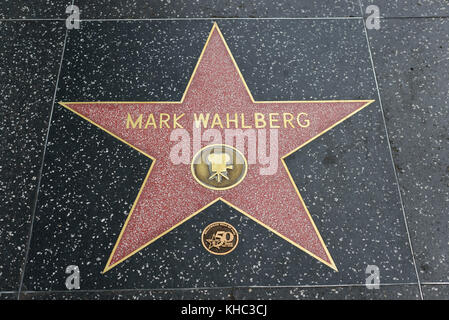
(377, 185)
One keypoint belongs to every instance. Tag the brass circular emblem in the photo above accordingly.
(219, 167)
(220, 238)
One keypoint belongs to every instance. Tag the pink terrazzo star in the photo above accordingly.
(170, 195)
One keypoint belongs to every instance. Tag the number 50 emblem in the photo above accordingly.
(220, 238)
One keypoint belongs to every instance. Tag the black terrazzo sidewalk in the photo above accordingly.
(377, 185)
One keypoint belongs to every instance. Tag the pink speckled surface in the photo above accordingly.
(171, 193)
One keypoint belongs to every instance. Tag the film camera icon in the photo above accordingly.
(218, 166)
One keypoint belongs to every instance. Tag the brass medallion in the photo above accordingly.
(220, 238)
(219, 167)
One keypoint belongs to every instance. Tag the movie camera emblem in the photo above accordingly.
(219, 167)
